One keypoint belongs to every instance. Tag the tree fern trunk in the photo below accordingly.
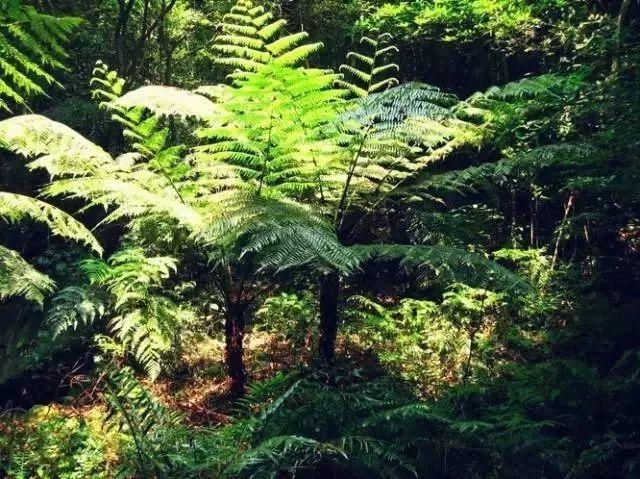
(234, 348)
(329, 293)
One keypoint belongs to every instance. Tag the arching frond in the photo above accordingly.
(14, 208)
(30, 49)
(19, 279)
(449, 264)
(166, 101)
(52, 146)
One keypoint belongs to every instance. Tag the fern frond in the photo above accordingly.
(145, 321)
(15, 207)
(52, 146)
(19, 279)
(30, 49)
(165, 101)
(450, 264)
(370, 72)
(74, 307)
(251, 39)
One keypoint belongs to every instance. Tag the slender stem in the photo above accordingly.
(567, 211)
(341, 211)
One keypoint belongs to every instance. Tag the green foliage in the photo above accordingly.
(30, 49)
(49, 443)
(52, 146)
(459, 21)
(299, 432)
(370, 74)
(143, 320)
(272, 141)
(251, 38)
(429, 209)
(14, 208)
(444, 263)
(414, 340)
(18, 278)
(290, 317)
(430, 345)
(134, 411)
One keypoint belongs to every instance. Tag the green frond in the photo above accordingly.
(366, 60)
(106, 85)
(280, 117)
(165, 101)
(74, 307)
(133, 197)
(19, 279)
(370, 72)
(15, 208)
(251, 39)
(269, 31)
(286, 43)
(30, 49)
(52, 146)
(444, 263)
(298, 55)
(132, 409)
(283, 453)
(144, 321)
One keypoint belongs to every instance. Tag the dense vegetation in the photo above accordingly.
(319, 239)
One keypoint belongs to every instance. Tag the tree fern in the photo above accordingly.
(30, 49)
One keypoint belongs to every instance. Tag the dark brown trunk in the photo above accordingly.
(234, 349)
(329, 293)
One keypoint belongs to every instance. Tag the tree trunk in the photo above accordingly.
(234, 349)
(619, 35)
(329, 292)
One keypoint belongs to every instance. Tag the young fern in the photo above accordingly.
(133, 410)
(128, 286)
